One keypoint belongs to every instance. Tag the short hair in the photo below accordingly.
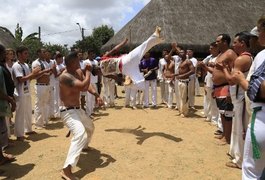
(2, 53)
(70, 57)
(39, 50)
(21, 49)
(213, 44)
(190, 49)
(244, 36)
(226, 37)
(57, 56)
(261, 21)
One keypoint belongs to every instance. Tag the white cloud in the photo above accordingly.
(58, 19)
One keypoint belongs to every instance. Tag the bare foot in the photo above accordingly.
(158, 31)
(68, 176)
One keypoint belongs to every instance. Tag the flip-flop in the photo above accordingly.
(232, 165)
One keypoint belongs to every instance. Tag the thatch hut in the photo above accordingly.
(191, 23)
(6, 39)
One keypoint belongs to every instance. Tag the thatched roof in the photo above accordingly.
(192, 23)
(6, 39)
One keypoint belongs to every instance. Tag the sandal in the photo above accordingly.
(232, 165)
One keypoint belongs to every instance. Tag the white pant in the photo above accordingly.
(90, 101)
(41, 111)
(130, 96)
(210, 107)
(237, 142)
(163, 91)
(51, 101)
(82, 129)
(57, 100)
(177, 93)
(184, 100)
(23, 119)
(197, 87)
(108, 91)
(252, 169)
(170, 90)
(153, 85)
(130, 62)
(191, 91)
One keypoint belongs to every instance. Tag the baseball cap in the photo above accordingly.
(254, 31)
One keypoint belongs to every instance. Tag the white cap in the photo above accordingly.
(254, 31)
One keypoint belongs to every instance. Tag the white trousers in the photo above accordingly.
(91, 101)
(163, 91)
(82, 129)
(23, 118)
(237, 142)
(170, 90)
(108, 91)
(57, 100)
(191, 91)
(130, 96)
(210, 107)
(130, 62)
(41, 111)
(197, 87)
(184, 100)
(153, 85)
(177, 94)
(251, 168)
(51, 101)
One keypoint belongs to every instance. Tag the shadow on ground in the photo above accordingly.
(15, 171)
(141, 136)
(92, 160)
(39, 136)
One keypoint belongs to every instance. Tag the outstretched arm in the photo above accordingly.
(116, 48)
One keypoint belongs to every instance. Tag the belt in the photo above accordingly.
(184, 80)
(69, 108)
(42, 84)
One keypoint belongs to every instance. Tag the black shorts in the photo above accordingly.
(225, 107)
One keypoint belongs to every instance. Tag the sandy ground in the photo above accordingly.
(129, 144)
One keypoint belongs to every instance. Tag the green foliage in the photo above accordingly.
(56, 47)
(96, 40)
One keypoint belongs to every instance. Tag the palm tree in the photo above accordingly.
(18, 36)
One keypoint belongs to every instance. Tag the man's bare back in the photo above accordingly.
(218, 75)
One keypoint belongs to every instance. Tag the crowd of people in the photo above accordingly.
(69, 87)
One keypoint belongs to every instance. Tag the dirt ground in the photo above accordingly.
(149, 144)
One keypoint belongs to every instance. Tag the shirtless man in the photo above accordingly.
(221, 86)
(72, 82)
(186, 68)
(42, 90)
(168, 73)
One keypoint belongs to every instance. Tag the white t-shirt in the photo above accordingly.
(37, 63)
(82, 66)
(194, 63)
(258, 60)
(177, 61)
(21, 70)
(161, 65)
(59, 68)
(208, 78)
(52, 76)
(93, 79)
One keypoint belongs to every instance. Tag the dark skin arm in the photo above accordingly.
(116, 48)
(187, 74)
(9, 99)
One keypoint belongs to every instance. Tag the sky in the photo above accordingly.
(58, 18)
